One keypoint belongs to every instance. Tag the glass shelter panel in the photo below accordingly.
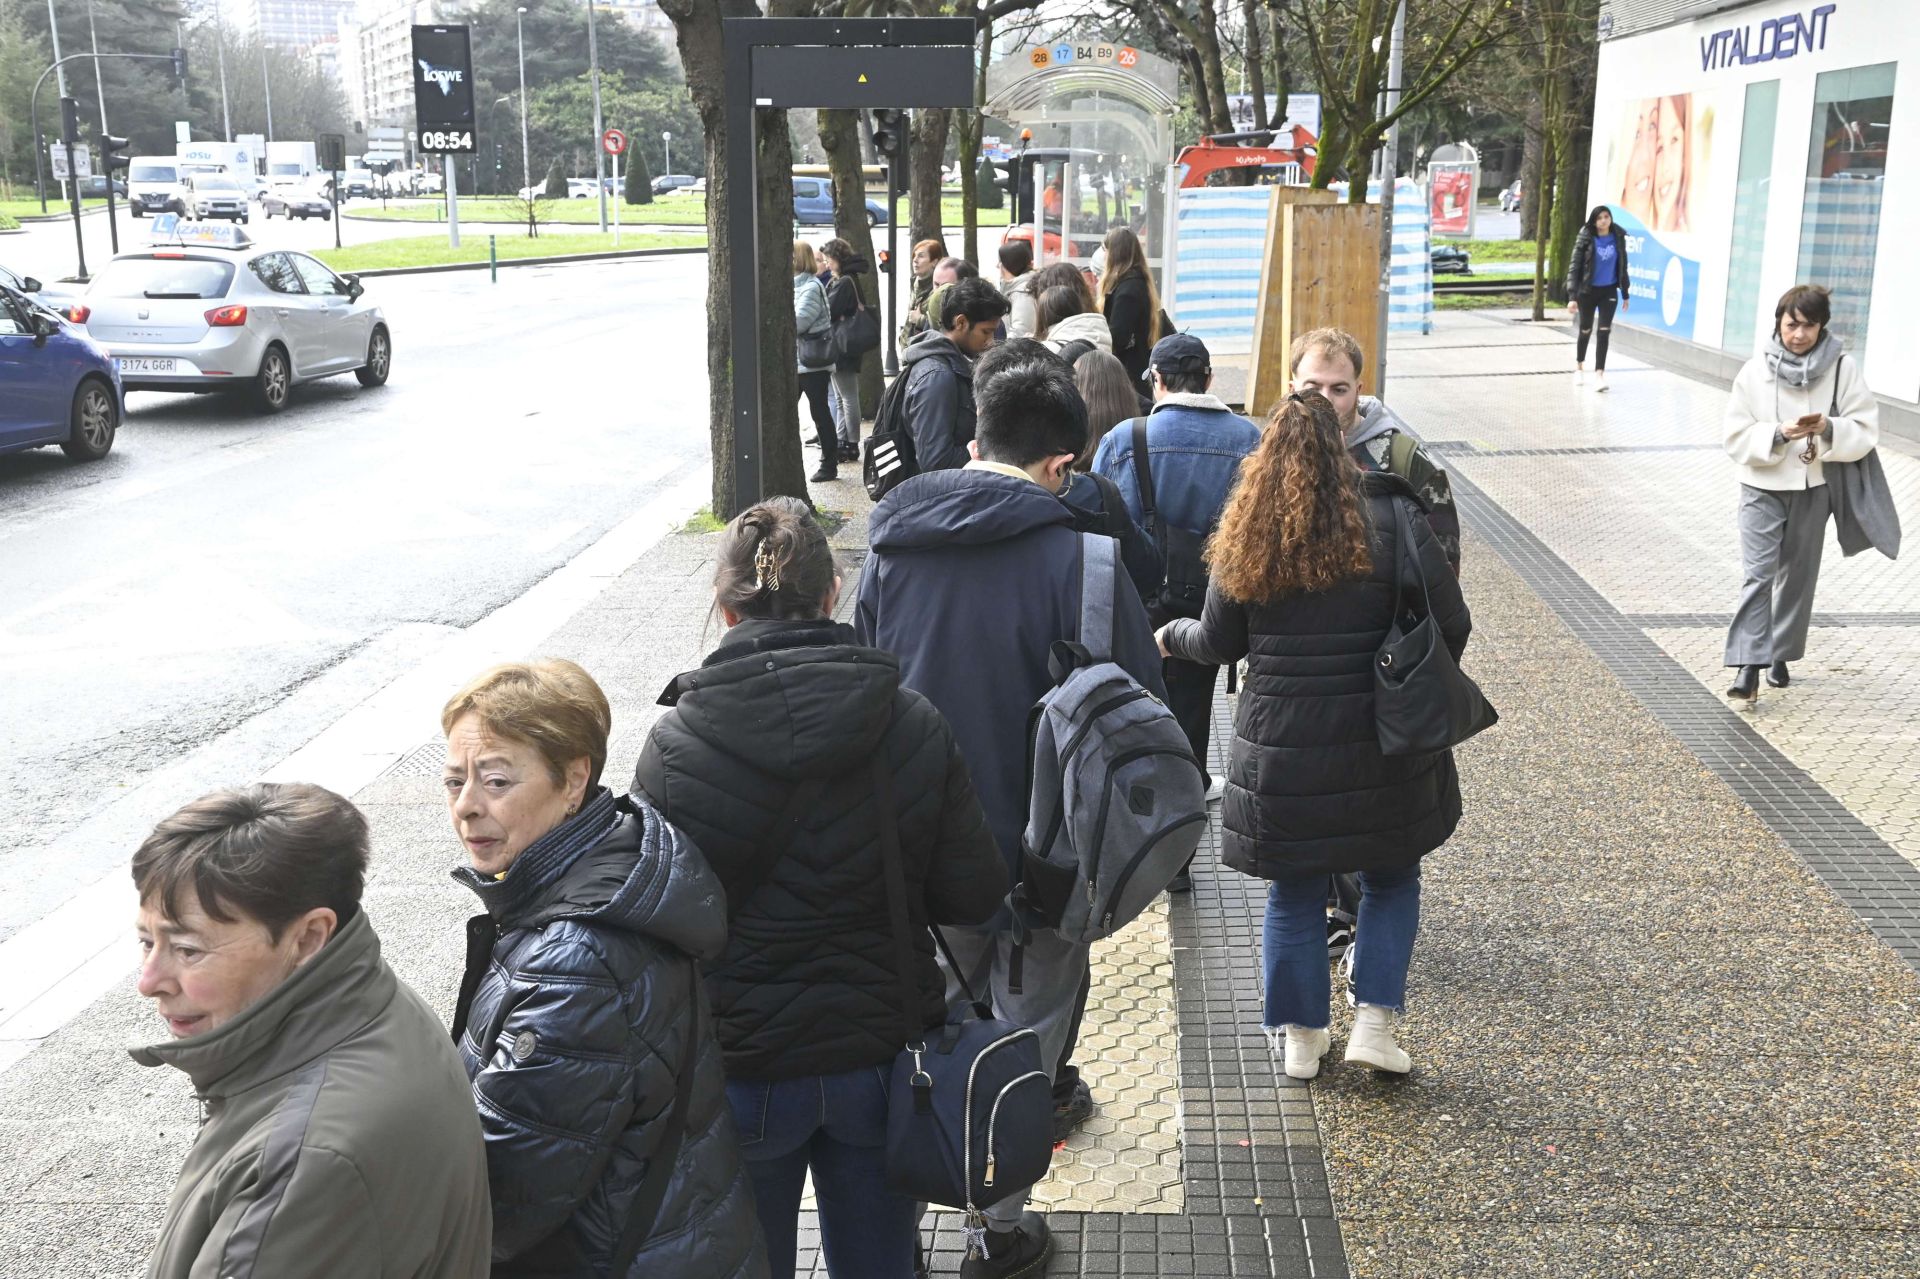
(1750, 198)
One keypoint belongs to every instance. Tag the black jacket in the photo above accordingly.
(843, 299)
(573, 1015)
(1129, 312)
(1307, 789)
(974, 575)
(808, 982)
(1580, 263)
(1143, 560)
(939, 405)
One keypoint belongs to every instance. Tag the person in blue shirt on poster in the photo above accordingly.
(1596, 283)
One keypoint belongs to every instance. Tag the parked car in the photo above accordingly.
(813, 204)
(297, 202)
(580, 188)
(672, 182)
(95, 188)
(220, 314)
(57, 384)
(1450, 259)
(216, 195)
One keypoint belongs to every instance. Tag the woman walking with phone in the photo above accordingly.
(1596, 284)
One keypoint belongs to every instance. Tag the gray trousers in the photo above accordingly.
(846, 403)
(1050, 976)
(1781, 536)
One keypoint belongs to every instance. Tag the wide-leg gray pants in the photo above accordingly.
(1781, 536)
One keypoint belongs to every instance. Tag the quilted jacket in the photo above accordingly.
(808, 982)
(573, 1015)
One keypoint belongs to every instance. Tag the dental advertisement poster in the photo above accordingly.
(1659, 154)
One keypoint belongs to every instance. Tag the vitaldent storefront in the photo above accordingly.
(1750, 146)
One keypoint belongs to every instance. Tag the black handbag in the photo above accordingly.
(1422, 701)
(854, 335)
(970, 1107)
(816, 349)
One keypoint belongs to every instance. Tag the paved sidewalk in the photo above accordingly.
(1661, 1005)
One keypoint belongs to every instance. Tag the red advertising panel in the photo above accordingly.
(1450, 200)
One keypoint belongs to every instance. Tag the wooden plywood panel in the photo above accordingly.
(1322, 270)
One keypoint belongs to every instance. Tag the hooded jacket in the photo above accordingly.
(1085, 327)
(336, 1135)
(1762, 404)
(810, 311)
(1307, 790)
(809, 981)
(973, 576)
(1129, 313)
(939, 403)
(574, 1011)
(1026, 307)
(1371, 441)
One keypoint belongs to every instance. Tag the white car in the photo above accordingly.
(217, 313)
(216, 195)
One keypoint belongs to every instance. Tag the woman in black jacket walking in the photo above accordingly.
(1129, 301)
(843, 300)
(769, 757)
(1305, 587)
(1596, 282)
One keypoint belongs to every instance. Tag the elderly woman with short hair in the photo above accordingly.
(581, 1019)
(335, 1138)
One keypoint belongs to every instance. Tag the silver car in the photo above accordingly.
(215, 195)
(256, 320)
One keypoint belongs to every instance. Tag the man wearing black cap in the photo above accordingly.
(1193, 445)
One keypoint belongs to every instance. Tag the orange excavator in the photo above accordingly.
(1220, 152)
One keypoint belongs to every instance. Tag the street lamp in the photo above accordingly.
(526, 148)
(666, 139)
(599, 152)
(505, 97)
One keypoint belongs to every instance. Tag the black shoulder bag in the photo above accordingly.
(1423, 702)
(1183, 591)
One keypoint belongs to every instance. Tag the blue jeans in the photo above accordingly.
(1294, 945)
(835, 1125)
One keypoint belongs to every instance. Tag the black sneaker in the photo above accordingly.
(1339, 939)
(824, 474)
(849, 452)
(1020, 1253)
(1071, 1110)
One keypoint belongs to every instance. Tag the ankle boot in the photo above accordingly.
(1778, 676)
(1372, 1042)
(1746, 685)
(1302, 1048)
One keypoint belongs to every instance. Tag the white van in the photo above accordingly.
(155, 185)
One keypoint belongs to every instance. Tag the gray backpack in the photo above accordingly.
(1115, 803)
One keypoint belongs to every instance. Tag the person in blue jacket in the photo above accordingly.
(974, 575)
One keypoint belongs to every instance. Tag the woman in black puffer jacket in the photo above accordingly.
(766, 761)
(1303, 587)
(581, 1018)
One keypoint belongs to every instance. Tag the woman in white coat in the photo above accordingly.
(1802, 401)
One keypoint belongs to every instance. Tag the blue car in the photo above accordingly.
(813, 204)
(57, 386)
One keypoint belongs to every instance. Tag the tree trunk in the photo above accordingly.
(1197, 77)
(1531, 153)
(1221, 120)
(697, 32)
(1574, 150)
(1250, 16)
(1543, 208)
(840, 139)
(929, 148)
(972, 128)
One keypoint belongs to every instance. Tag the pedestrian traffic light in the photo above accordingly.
(113, 153)
(70, 121)
(890, 132)
(180, 64)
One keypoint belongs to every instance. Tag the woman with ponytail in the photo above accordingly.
(1305, 570)
(767, 760)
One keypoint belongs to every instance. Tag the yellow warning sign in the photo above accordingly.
(863, 77)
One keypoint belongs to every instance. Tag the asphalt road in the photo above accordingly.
(223, 585)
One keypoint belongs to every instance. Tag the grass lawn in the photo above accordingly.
(429, 251)
(1485, 301)
(30, 208)
(685, 210)
(1496, 250)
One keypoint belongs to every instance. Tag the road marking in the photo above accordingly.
(55, 968)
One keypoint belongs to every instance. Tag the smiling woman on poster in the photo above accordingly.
(1672, 153)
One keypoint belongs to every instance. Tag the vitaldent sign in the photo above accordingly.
(1768, 41)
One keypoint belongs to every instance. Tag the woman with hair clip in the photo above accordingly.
(1129, 301)
(1305, 583)
(767, 759)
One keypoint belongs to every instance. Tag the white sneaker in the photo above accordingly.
(1301, 1047)
(1579, 375)
(1372, 1043)
(1216, 790)
(1599, 380)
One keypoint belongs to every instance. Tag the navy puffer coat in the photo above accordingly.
(572, 1020)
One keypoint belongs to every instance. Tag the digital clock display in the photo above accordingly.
(450, 141)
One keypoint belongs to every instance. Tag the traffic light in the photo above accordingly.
(70, 121)
(113, 153)
(180, 64)
(890, 132)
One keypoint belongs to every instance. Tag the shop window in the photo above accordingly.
(1846, 174)
(1750, 196)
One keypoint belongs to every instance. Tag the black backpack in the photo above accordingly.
(1112, 518)
(1183, 592)
(889, 456)
(1072, 351)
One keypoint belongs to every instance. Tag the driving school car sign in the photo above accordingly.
(443, 89)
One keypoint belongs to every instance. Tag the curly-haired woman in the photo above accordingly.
(1304, 571)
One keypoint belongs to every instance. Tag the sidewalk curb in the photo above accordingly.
(560, 259)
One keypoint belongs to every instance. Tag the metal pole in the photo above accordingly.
(526, 148)
(453, 204)
(493, 261)
(266, 85)
(599, 156)
(1389, 176)
(666, 139)
(53, 28)
(616, 202)
(73, 186)
(220, 50)
(892, 362)
(99, 88)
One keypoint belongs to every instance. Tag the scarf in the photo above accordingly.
(1800, 370)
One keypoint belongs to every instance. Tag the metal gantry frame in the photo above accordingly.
(782, 63)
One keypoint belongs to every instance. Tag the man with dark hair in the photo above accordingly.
(974, 575)
(1016, 281)
(340, 1136)
(1194, 446)
(938, 368)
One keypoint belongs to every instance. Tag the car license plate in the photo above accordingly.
(147, 365)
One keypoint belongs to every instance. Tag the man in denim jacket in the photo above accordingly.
(1195, 444)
